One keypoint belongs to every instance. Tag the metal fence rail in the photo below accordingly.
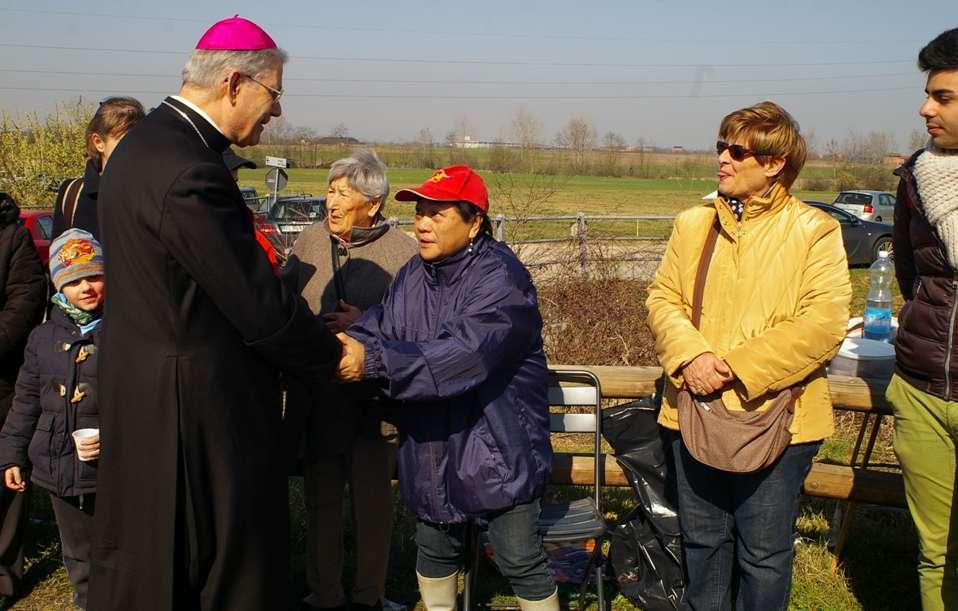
(580, 236)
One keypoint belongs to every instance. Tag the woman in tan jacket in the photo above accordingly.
(774, 310)
(342, 266)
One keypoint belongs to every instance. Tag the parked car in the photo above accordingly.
(249, 194)
(288, 217)
(863, 239)
(254, 201)
(40, 225)
(877, 206)
(294, 213)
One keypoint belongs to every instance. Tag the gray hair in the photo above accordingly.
(204, 68)
(364, 172)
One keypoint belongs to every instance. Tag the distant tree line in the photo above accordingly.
(37, 152)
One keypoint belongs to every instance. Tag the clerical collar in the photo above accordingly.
(198, 111)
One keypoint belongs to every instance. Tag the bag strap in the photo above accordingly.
(337, 269)
(699, 290)
(70, 198)
(62, 192)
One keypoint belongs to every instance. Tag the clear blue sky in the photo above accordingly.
(662, 71)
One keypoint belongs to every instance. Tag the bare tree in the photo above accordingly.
(876, 145)
(917, 139)
(340, 131)
(519, 199)
(462, 130)
(833, 150)
(424, 138)
(870, 148)
(281, 131)
(851, 146)
(578, 136)
(612, 143)
(527, 133)
(526, 129)
(304, 134)
(278, 131)
(643, 145)
(613, 140)
(424, 149)
(811, 142)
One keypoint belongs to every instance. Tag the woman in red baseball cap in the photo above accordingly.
(456, 345)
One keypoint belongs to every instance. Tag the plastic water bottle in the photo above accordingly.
(878, 302)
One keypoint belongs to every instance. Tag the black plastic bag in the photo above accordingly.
(647, 565)
(646, 550)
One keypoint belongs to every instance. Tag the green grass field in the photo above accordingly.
(523, 195)
(878, 571)
(519, 194)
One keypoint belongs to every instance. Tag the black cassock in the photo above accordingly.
(191, 499)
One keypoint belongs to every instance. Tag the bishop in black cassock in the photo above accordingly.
(192, 506)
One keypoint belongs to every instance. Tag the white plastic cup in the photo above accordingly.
(84, 435)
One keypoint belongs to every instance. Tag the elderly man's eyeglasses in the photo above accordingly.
(276, 93)
(736, 151)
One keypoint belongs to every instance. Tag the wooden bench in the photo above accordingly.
(839, 482)
(852, 484)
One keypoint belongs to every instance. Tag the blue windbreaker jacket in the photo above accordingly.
(458, 346)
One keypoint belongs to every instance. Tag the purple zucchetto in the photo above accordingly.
(235, 34)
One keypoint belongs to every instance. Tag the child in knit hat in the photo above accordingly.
(56, 395)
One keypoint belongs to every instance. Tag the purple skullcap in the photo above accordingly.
(235, 34)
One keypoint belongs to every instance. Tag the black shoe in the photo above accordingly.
(360, 607)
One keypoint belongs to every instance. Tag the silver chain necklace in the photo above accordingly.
(190, 121)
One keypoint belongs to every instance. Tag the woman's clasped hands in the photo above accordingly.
(706, 374)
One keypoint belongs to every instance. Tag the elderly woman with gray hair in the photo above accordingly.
(342, 266)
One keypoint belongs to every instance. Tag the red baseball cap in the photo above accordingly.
(457, 183)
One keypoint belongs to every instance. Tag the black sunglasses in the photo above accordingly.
(736, 151)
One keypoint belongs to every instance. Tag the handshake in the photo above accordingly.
(350, 367)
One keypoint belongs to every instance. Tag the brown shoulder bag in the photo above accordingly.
(735, 441)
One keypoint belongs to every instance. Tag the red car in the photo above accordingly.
(40, 225)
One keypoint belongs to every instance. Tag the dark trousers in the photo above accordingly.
(75, 520)
(367, 466)
(13, 517)
(739, 527)
(516, 544)
(13, 523)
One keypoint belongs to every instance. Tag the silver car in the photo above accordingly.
(877, 206)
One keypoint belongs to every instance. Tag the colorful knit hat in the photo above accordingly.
(74, 254)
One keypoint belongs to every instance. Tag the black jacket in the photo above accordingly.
(191, 493)
(926, 346)
(22, 297)
(56, 394)
(85, 213)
